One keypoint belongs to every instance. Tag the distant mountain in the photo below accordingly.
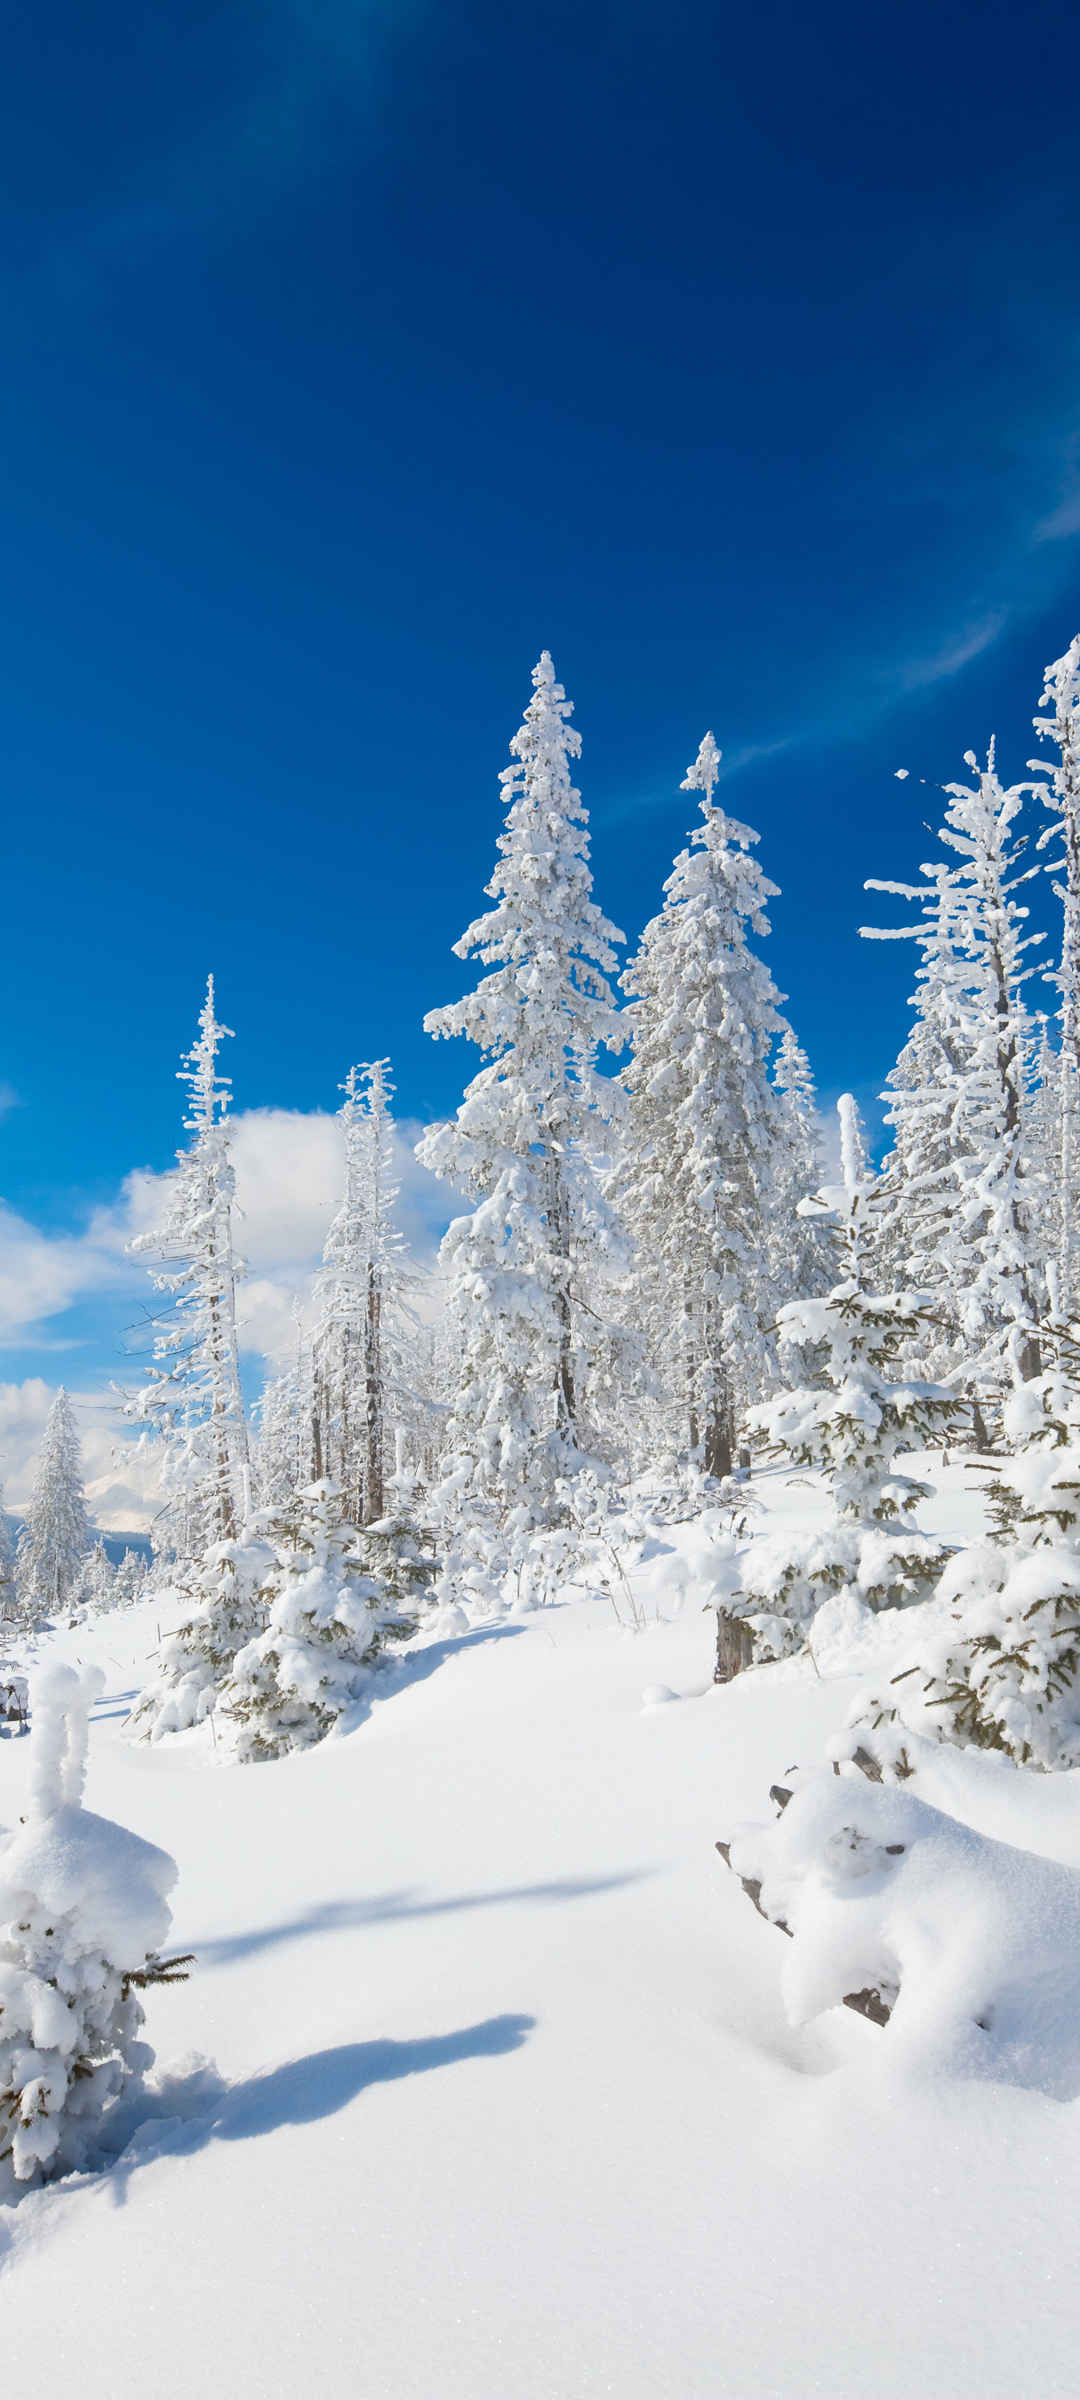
(115, 1543)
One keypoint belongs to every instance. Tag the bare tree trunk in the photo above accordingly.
(559, 1231)
(1028, 1355)
(374, 1501)
(692, 1418)
(734, 1647)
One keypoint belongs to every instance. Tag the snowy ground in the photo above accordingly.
(506, 2102)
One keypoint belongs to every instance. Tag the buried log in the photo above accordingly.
(869, 2003)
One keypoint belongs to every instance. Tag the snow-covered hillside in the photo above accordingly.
(483, 2084)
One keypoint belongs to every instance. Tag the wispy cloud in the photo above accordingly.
(1062, 522)
(316, 70)
(952, 655)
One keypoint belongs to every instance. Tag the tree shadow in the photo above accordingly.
(396, 1673)
(388, 1908)
(188, 2113)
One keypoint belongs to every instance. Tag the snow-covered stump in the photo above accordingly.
(967, 1950)
(14, 1701)
(83, 1914)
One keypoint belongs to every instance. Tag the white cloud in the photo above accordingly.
(41, 1275)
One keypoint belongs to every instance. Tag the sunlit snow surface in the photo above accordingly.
(504, 2098)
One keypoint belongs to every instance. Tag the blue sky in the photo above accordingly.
(355, 354)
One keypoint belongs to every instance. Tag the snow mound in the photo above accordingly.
(974, 1944)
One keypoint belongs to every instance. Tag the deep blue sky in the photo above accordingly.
(353, 354)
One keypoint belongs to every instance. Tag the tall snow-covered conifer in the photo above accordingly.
(1061, 726)
(519, 1265)
(361, 1299)
(193, 1397)
(967, 1171)
(698, 1176)
(801, 1263)
(55, 1540)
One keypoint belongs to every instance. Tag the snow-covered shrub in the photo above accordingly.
(229, 1599)
(851, 1430)
(399, 1557)
(83, 1914)
(330, 1616)
(970, 1948)
(997, 1665)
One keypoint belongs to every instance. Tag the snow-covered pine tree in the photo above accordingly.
(851, 1431)
(1061, 727)
(97, 1588)
(329, 1619)
(916, 1195)
(130, 1579)
(192, 1398)
(9, 1607)
(997, 1665)
(698, 1182)
(227, 1595)
(55, 1538)
(520, 1266)
(286, 1439)
(83, 1913)
(974, 1186)
(801, 1263)
(362, 1306)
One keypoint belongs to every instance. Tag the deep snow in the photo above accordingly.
(504, 2099)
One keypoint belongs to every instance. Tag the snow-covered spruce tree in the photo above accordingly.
(362, 1307)
(330, 1617)
(286, 1439)
(192, 1398)
(83, 1913)
(55, 1539)
(698, 1179)
(852, 1432)
(1061, 727)
(97, 1587)
(521, 1266)
(10, 1612)
(227, 1595)
(130, 1580)
(997, 1663)
(801, 1263)
(916, 1194)
(974, 1186)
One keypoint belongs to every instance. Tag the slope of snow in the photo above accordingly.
(503, 2097)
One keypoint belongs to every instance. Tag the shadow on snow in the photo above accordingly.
(389, 1908)
(189, 2113)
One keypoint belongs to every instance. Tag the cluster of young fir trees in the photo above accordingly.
(638, 1267)
(57, 1568)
